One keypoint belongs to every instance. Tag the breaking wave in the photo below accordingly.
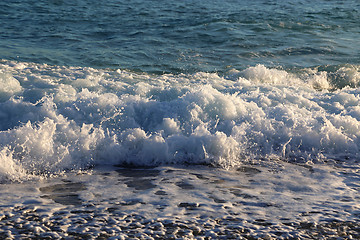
(55, 118)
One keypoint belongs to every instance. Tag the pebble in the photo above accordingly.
(24, 223)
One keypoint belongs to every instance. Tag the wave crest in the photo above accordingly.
(65, 118)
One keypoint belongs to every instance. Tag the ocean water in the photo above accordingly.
(180, 119)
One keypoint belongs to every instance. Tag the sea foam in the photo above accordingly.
(55, 118)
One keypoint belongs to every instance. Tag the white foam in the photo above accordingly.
(57, 118)
(185, 202)
(8, 86)
(9, 169)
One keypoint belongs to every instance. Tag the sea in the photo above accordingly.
(186, 119)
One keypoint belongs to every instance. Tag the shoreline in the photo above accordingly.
(181, 202)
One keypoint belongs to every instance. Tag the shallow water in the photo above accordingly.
(191, 119)
(283, 201)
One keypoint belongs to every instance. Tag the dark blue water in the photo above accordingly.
(181, 36)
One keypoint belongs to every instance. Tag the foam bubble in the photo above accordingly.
(8, 86)
(61, 118)
(10, 170)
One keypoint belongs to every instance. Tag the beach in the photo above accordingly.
(179, 119)
(251, 202)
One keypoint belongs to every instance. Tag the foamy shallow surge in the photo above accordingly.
(55, 118)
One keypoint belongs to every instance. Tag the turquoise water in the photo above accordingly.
(181, 36)
(179, 119)
(177, 82)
